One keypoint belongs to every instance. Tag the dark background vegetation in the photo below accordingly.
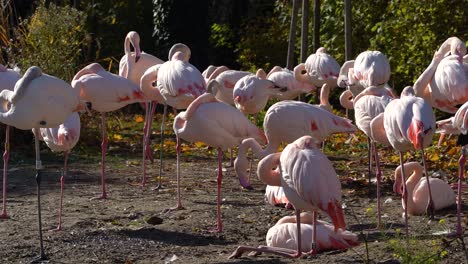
(61, 37)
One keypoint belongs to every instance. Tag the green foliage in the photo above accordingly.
(221, 36)
(51, 39)
(417, 251)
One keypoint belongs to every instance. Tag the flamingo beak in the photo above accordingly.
(415, 131)
(137, 58)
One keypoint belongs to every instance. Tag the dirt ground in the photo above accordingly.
(119, 229)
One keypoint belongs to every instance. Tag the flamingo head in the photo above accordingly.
(417, 133)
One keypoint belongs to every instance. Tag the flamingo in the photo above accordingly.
(132, 66)
(105, 92)
(284, 235)
(62, 139)
(321, 70)
(287, 121)
(310, 184)
(417, 189)
(178, 83)
(290, 86)
(458, 124)
(444, 83)
(407, 123)
(8, 79)
(274, 195)
(217, 124)
(37, 101)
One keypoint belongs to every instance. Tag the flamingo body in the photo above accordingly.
(64, 137)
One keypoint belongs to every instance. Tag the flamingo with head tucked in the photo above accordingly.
(62, 139)
(408, 123)
(218, 125)
(287, 121)
(310, 184)
(8, 79)
(105, 92)
(175, 83)
(38, 101)
(283, 235)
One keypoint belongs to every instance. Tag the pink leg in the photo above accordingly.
(179, 200)
(161, 148)
(62, 184)
(219, 181)
(379, 183)
(461, 172)
(103, 158)
(6, 156)
(145, 132)
(370, 148)
(146, 140)
(313, 251)
(274, 250)
(430, 206)
(404, 194)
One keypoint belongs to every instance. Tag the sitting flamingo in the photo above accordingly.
(418, 195)
(284, 235)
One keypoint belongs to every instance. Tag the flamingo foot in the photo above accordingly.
(158, 187)
(143, 182)
(176, 208)
(215, 230)
(4, 216)
(59, 228)
(100, 197)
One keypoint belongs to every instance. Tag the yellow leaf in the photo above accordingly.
(51, 39)
(452, 151)
(117, 137)
(169, 143)
(434, 157)
(200, 144)
(139, 118)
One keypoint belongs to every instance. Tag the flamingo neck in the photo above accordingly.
(324, 95)
(411, 182)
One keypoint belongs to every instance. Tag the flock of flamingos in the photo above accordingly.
(216, 102)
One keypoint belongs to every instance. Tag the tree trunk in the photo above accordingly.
(292, 36)
(316, 25)
(347, 9)
(305, 29)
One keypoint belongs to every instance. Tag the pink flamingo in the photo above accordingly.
(62, 139)
(321, 70)
(407, 123)
(444, 83)
(8, 79)
(275, 195)
(284, 235)
(217, 124)
(132, 66)
(310, 184)
(178, 83)
(416, 187)
(227, 80)
(251, 94)
(287, 121)
(290, 87)
(458, 124)
(38, 100)
(105, 92)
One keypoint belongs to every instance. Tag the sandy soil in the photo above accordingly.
(131, 226)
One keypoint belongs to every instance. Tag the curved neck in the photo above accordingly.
(324, 95)
(414, 170)
(267, 169)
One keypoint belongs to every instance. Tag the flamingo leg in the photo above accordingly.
(146, 139)
(461, 172)
(369, 155)
(430, 210)
(62, 184)
(379, 184)
(103, 158)
(6, 156)
(219, 181)
(38, 182)
(313, 251)
(161, 148)
(404, 195)
(145, 132)
(179, 200)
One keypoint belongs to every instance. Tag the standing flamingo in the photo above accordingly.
(287, 121)
(105, 92)
(407, 123)
(62, 139)
(416, 187)
(458, 124)
(8, 79)
(310, 184)
(217, 124)
(284, 78)
(132, 66)
(178, 83)
(38, 100)
(284, 235)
